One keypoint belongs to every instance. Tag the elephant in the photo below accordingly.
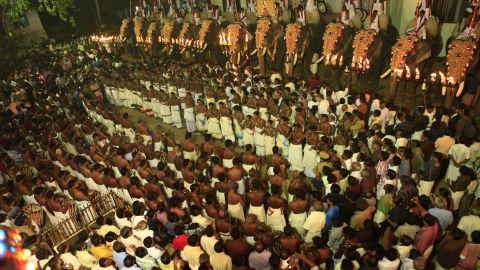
(411, 56)
(207, 43)
(461, 59)
(369, 63)
(235, 41)
(297, 38)
(266, 34)
(337, 48)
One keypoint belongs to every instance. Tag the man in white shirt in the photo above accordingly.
(315, 222)
(152, 249)
(106, 227)
(68, 257)
(443, 144)
(390, 261)
(470, 223)
(208, 241)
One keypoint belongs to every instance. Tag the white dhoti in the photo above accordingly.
(228, 163)
(166, 114)
(274, 120)
(457, 197)
(146, 139)
(213, 128)
(248, 137)
(269, 144)
(295, 157)
(283, 144)
(425, 187)
(158, 146)
(221, 197)
(297, 221)
(201, 122)
(189, 116)
(310, 160)
(248, 167)
(247, 111)
(259, 142)
(156, 107)
(258, 211)
(236, 211)
(190, 155)
(238, 132)
(275, 219)
(227, 128)
(240, 187)
(263, 113)
(176, 116)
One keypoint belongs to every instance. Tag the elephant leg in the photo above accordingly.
(449, 100)
(262, 65)
(393, 87)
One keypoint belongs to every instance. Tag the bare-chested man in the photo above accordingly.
(256, 198)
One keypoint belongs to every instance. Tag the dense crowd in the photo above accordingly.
(271, 173)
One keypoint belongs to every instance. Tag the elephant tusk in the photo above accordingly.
(460, 89)
(295, 59)
(444, 90)
(254, 51)
(319, 60)
(205, 46)
(384, 75)
(264, 51)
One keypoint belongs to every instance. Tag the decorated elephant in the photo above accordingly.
(206, 42)
(462, 56)
(266, 41)
(409, 56)
(139, 29)
(234, 41)
(371, 49)
(166, 37)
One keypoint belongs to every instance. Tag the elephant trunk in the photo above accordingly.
(384, 75)
(460, 88)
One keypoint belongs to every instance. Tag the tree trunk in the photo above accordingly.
(3, 23)
(99, 15)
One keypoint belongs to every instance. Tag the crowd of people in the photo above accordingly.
(271, 173)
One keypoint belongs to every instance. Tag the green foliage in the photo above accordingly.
(15, 9)
(59, 8)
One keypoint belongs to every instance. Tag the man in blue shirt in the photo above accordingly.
(333, 212)
(444, 216)
(119, 254)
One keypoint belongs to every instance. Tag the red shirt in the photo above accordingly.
(180, 242)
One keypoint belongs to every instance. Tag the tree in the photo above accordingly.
(12, 11)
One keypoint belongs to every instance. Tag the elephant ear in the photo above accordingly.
(432, 28)
(356, 21)
(383, 21)
(313, 17)
(410, 24)
(477, 29)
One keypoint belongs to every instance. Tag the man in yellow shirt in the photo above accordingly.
(219, 260)
(99, 248)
